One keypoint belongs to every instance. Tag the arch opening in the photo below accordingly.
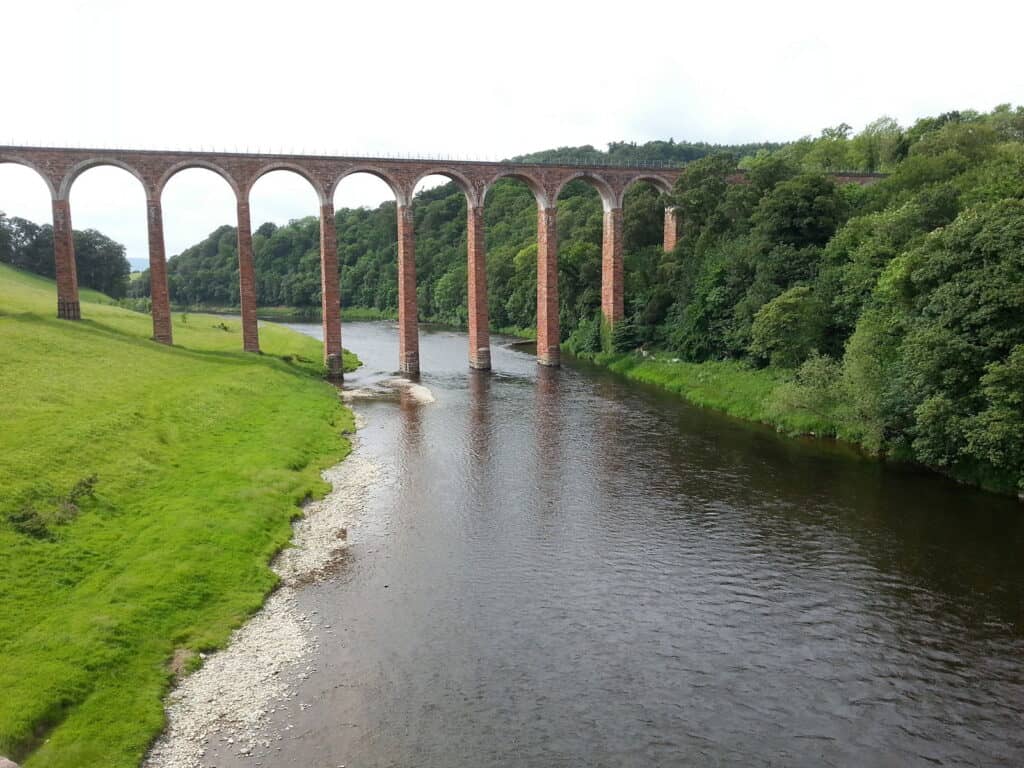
(510, 213)
(609, 200)
(108, 215)
(643, 211)
(83, 167)
(196, 164)
(274, 169)
(436, 177)
(365, 206)
(198, 214)
(285, 225)
(661, 185)
(535, 187)
(649, 230)
(581, 224)
(439, 207)
(26, 219)
(360, 188)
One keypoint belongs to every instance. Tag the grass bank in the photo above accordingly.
(145, 489)
(731, 387)
(780, 399)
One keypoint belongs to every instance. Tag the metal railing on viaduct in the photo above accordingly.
(60, 167)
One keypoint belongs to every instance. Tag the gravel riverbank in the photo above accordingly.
(226, 703)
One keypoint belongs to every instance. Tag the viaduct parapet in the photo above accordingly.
(60, 167)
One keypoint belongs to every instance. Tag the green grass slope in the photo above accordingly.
(201, 454)
(727, 386)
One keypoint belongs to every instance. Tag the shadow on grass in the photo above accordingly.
(98, 329)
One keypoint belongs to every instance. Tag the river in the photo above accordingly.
(567, 569)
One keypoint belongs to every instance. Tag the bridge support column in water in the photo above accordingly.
(611, 267)
(68, 307)
(330, 292)
(247, 278)
(548, 351)
(160, 303)
(408, 324)
(479, 332)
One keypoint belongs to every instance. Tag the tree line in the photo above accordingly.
(101, 262)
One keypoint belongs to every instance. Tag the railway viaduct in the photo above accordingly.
(59, 167)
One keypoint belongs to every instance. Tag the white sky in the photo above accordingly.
(461, 78)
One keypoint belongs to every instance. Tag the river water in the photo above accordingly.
(566, 569)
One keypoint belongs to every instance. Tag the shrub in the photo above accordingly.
(816, 390)
(624, 336)
(788, 328)
(29, 522)
(586, 338)
(83, 488)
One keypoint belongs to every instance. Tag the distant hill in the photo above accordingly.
(138, 264)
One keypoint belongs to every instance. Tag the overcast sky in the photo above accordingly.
(460, 78)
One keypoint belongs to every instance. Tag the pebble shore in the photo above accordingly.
(227, 701)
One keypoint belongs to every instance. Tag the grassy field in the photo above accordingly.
(144, 490)
(731, 387)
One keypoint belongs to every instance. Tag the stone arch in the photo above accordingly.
(82, 166)
(284, 165)
(464, 184)
(539, 193)
(380, 174)
(185, 165)
(609, 199)
(658, 182)
(15, 160)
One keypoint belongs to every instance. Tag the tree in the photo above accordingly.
(994, 433)
(101, 263)
(877, 146)
(6, 246)
(803, 211)
(788, 328)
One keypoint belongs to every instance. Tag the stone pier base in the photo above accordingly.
(335, 368)
(67, 310)
(481, 359)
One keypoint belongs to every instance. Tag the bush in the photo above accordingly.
(586, 339)
(624, 336)
(788, 328)
(83, 488)
(29, 522)
(816, 390)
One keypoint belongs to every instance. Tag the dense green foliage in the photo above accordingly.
(101, 262)
(145, 489)
(899, 307)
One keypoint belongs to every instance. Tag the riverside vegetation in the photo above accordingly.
(146, 489)
(891, 316)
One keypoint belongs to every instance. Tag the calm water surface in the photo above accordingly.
(572, 570)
